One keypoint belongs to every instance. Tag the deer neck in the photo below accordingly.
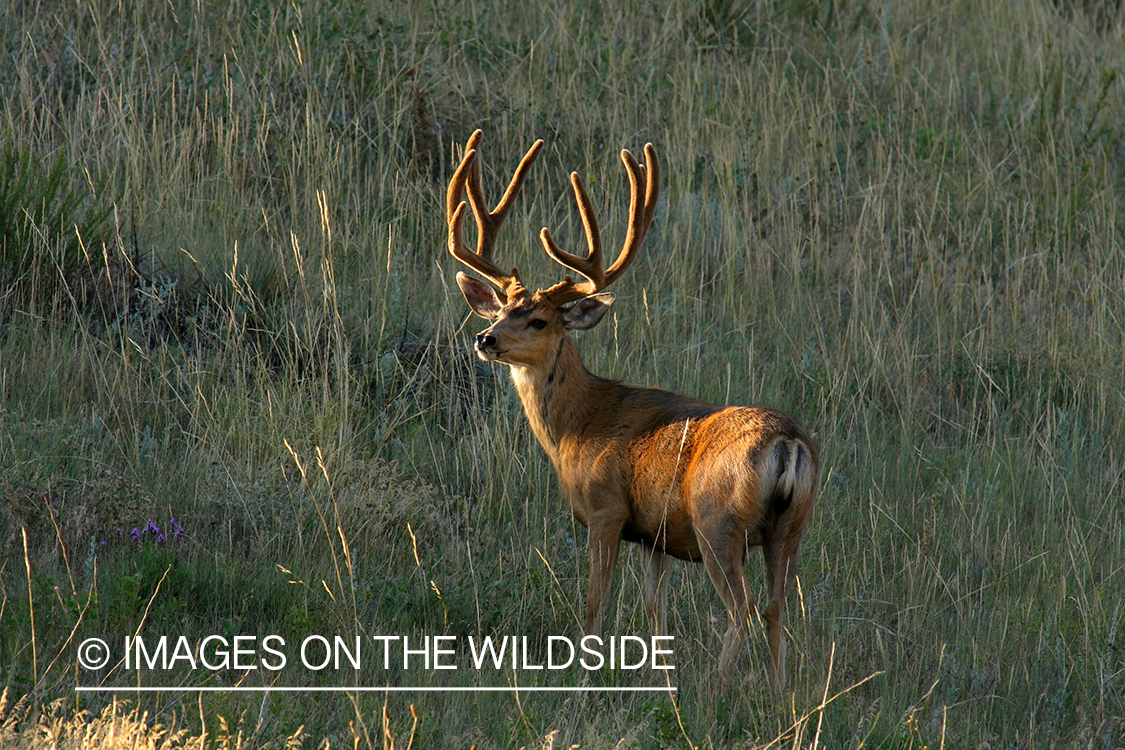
(557, 397)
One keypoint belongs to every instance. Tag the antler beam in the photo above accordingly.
(640, 216)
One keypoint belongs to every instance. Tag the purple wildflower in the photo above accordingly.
(136, 534)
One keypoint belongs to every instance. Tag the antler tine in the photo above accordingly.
(640, 214)
(467, 179)
(652, 185)
(590, 266)
(457, 181)
(641, 211)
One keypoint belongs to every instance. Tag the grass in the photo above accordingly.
(900, 222)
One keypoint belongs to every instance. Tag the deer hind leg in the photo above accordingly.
(779, 559)
(604, 541)
(722, 556)
(656, 589)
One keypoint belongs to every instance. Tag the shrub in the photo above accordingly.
(51, 220)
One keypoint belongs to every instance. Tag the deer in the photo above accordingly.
(677, 476)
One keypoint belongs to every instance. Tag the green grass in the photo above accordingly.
(901, 222)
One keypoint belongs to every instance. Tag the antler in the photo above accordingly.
(640, 216)
(488, 222)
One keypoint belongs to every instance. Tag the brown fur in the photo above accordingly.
(680, 477)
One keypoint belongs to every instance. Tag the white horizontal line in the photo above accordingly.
(368, 689)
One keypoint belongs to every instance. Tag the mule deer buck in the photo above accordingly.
(675, 475)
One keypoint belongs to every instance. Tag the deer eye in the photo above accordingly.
(537, 324)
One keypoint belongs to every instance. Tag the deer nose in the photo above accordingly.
(485, 340)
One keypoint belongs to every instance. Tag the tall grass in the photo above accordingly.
(900, 222)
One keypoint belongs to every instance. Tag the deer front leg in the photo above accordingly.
(604, 541)
(656, 589)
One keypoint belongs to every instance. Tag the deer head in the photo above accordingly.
(527, 326)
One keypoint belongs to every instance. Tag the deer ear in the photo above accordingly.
(588, 311)
(481, 297)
